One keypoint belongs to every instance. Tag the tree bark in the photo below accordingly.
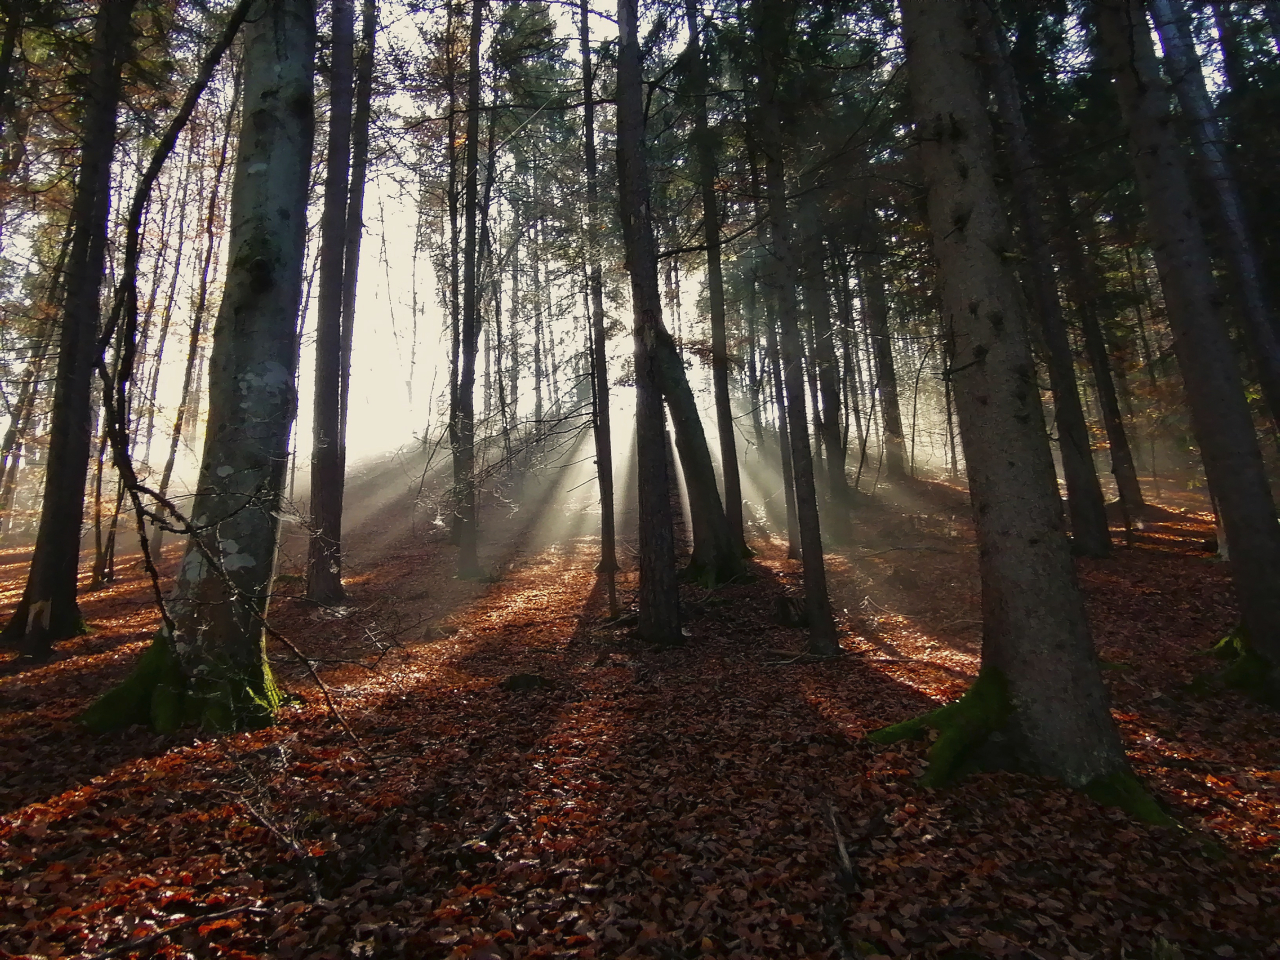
(773, 32)
(608, 566)
(1090, 534)
(468, 561)
(704, 148)
(47, 610)
(1086, 288)
(1040, 684)
(1219, 412)
(828, 371)
(658, 596)
(209, 664)
(324, 552)
(881, 343)
(1182, 63)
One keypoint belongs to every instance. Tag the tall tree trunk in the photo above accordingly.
(828, 371)
(15, 18)
(705, 149)
(658, 596)
(773, 33)
(1040, 684)
(784, 437)
(189, 397)
(361, 120)
(881, 345)
(1086, 506)
(48, 610)
(1183, 65)
(324, 553)
(468, 561)
(1086, 288)
(1219, 412)
(209, 664)
(608, 566)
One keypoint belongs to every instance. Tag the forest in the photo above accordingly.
(704, 479)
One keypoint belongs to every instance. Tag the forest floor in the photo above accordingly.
(632, 803)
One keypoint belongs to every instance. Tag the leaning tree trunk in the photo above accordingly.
(468, 561)
(704, 147)
(209, 664)
(608, 567)
(658, 595)
(1040, 686)
(773, 35)
(1090, 535)
(1183, 64)
(324, 552)
(48, 610)
(1219, 411)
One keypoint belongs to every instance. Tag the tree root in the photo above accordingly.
(1246, 670)
(159, 695)
(971, 736)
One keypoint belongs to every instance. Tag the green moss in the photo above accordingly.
(1246, 670)
(158, 694)
(1126, 791)
(962, 727)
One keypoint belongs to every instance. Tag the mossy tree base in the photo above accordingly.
(972, 737)
(159, 695)
(1246, 670)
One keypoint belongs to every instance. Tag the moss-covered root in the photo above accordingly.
(1126, 791)
(962, 727)
(159, 695)
(1246, 670)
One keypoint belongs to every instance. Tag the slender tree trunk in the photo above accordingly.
(773, 33)
(468, 560)
(1219, 412)
(658, 595)
(881, 343)
(784, 438)
(608, 566)
(1086, 288)
(324, 553)
(48, 610)
(361, 120)
(199, 311)
(209, 665)
(705, 149)
(1086, 506)
(1040, 683)
(15, 18)
(1183, 65)
(828, 371)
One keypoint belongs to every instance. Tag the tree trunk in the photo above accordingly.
(608, 566)
(705, 149)
(361, 121)
(784, 437)
(324, 553)
(1040, 685)
(877, 309)
(658, 596)
(1086, 288)
(828, 370)
(1219, 412)
(1183, 65)
(209, 664)
(773, 33)
(184, 416)
(468, 561)
(1090, 534)
(48, 610)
